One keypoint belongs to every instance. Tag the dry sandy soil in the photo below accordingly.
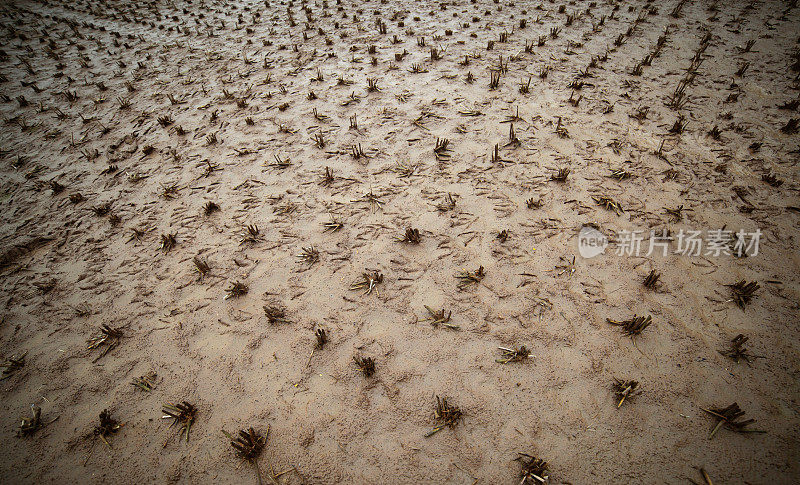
(122, 120)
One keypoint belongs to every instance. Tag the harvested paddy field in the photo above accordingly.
(400, 242)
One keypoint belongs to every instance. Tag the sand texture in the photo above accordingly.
(217, 181)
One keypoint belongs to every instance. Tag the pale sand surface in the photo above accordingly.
(67, 270)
